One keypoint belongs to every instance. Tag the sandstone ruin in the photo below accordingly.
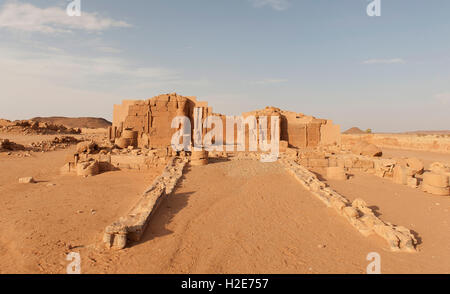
(311, 149)
(314, 166)
(151, 120)
(141, 138)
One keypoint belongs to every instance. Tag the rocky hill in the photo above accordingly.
(75, 122)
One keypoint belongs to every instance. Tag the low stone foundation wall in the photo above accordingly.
(132, 226)
(428, 142)
(357, 213)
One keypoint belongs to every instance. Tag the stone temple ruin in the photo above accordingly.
(310, 148)
(151, 121)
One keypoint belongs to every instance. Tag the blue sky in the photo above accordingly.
(325, 58)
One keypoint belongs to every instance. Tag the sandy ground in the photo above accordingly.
(245, 217)
(41, 223)
(226, 217)
(255, 218)
(428, 216)
(426, 156)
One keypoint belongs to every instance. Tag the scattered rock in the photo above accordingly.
(87, 147)
(366, 149)
(27, 180)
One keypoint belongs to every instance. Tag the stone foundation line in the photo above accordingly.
(133, 225)
(357, 213)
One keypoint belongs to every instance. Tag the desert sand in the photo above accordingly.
(226, 217)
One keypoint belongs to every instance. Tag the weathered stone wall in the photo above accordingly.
(131, 226)
(358, 214)
(152, 120)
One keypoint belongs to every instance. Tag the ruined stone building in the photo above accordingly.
(151, 122)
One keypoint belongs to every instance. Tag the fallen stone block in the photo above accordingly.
(88, 168)
(291, 152)
(86, 147)
(350, 212)
(401, 174)
(416, 165)
(412, 182)
(123, 143)
(439, 168)
(366, 149)
(317, 162)
(199, 158)
(283, 145)
(336, 173)
(436, 180)
(439, 191)
(27, 180)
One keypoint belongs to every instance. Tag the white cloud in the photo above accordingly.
(44, 83)
(385, 61)
(275, 4)
(29, 18)
(443, 98)
(63, 66)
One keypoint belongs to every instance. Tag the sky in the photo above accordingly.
(325, 58)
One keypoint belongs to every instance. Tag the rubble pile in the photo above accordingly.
(6, 145)
(52, 145)
(29, 127)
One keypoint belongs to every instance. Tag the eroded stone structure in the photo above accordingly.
(152, 120)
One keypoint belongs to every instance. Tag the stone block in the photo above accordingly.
(436, 190)
(436, 180)
(26, 180)
(316, 162)
(336, 173)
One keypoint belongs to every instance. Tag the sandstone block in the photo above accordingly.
(199, 155)
(86, 147)
(371, 150)
(379, 172)
(436, 190)
(350, 212)
(401, 174)
(439, 168)
(132, 135)
(199, 162)
(88, 168)
(412, 182)
(317, 162)
(336, 173)
(303, 161)
(332, 162)
(291, 152)
(283, 145)
(415, 165)
(123, 142)
(26, 180)
(436, 180)
(366, 149)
